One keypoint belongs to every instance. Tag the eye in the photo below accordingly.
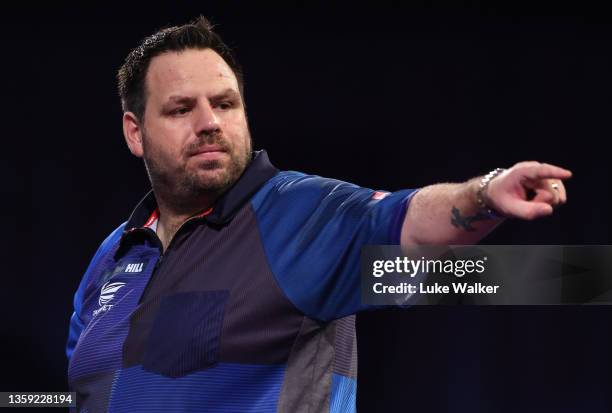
(225, 105)
(180, 111)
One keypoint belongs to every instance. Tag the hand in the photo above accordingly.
(509, 192)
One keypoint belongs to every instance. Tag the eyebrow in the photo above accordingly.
(179, 100)
(229, 92)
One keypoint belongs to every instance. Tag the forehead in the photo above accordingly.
(190, 72)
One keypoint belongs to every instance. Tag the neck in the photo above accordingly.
(173, 214)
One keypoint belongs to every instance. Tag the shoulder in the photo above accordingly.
(110, 244)
(292, 186)
(113, 238)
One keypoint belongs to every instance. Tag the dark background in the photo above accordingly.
(387, 97)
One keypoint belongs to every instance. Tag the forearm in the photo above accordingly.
(446, 214)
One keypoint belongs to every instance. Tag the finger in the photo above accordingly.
(551, 188)
(546, 196)
(562, 192)
(544, 171)
(528, 210)
(543, 190)
(557, 188)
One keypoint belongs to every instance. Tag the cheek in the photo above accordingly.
(172, 136)
(172, 153)
(166, 151)
(240, 134)
(241, 141)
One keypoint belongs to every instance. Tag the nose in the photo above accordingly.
(206, 121)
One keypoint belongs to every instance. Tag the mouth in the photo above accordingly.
(209, 152)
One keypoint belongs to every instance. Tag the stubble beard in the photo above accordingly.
(182, 187)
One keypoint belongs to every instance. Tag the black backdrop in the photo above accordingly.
(386, 98)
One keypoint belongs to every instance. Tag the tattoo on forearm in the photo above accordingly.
(460, 221)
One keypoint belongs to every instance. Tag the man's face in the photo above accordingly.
(195, 137)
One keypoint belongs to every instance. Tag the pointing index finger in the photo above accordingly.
(546, 171)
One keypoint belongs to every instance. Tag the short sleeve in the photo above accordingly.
(76, 322)
(312, 230)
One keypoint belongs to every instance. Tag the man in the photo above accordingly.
(233, 286)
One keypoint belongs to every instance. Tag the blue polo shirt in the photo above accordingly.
(250, 308)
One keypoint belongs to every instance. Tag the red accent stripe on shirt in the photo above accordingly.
(152, 218)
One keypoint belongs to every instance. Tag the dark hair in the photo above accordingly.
(198, 34)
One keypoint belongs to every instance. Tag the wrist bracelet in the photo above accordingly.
(480, 199)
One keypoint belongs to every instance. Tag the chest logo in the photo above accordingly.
(108, 292)
(134, 267)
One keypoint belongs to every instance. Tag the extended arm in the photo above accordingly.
(449, 213)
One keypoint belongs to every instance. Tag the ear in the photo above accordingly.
(132, 132)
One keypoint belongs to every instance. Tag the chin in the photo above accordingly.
(212, 180)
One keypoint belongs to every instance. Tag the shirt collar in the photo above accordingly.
(257, 173)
